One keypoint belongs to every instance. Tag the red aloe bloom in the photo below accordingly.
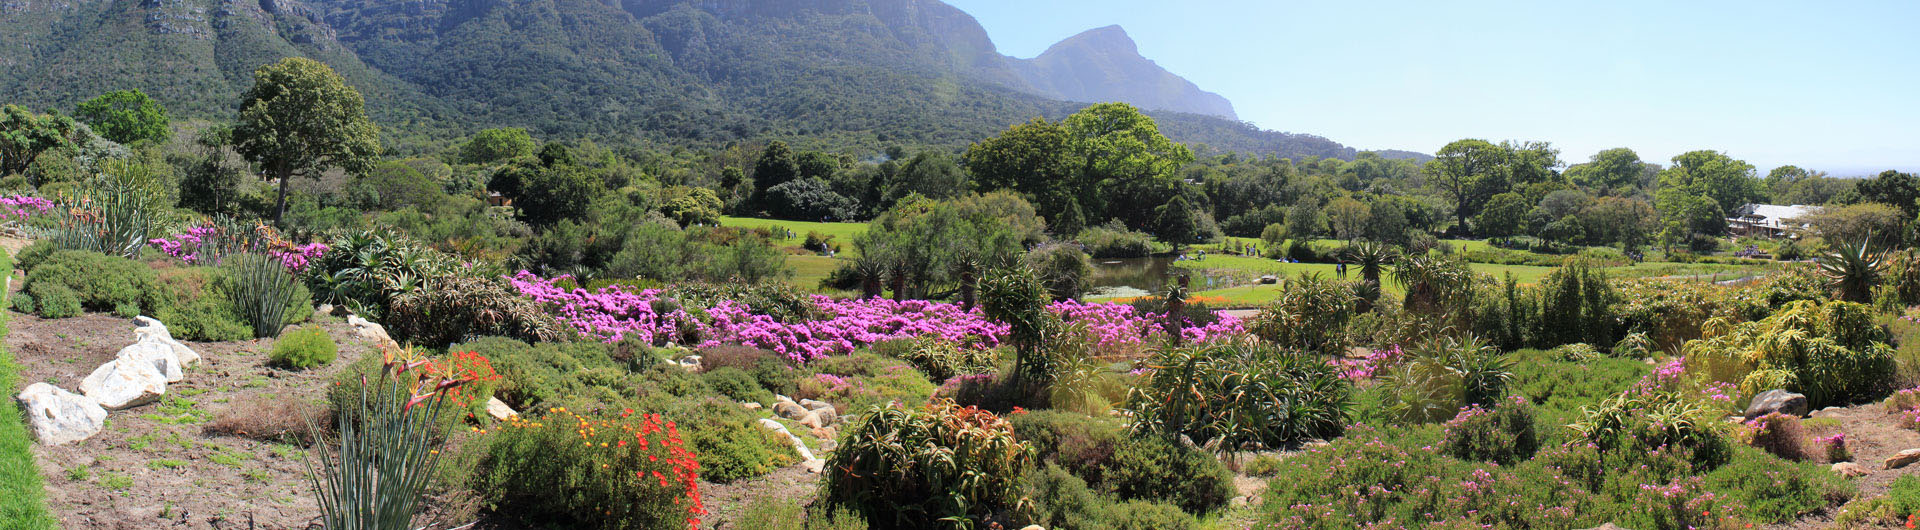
(416, 401)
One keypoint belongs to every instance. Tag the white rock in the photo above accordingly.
(815, 405)
(798, 446)
(499, 409)
(782, 398)
(187, 356)
(121, 384)
(159, 355)
(58, 416)
(814, 465)
(144, 321)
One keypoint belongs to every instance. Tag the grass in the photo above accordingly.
(23, 505)
(843, 233)
(1259, 295)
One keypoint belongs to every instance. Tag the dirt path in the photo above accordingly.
(1872, 436)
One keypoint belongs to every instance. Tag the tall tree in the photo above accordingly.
(1458, 169)
(1895, 188)
(497, 145)
(1175, 224)
(1502, 217)
(1730, 183)
(1116, 147)
(125, 116)
(1029, 159)
(301, 118)
(1348, 218)
(1611, 172)
(25, 135)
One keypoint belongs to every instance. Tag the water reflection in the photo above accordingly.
(1129, 277)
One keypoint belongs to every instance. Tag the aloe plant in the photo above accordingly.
(262, 290)
(114, 214)
(1853, 270)
(384, 455)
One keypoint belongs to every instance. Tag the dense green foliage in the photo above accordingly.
(934, 466)
(303, 348)
(1230, 395)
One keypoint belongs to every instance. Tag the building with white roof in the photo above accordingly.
(1769, 220)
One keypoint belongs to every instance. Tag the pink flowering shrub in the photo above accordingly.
(1835, 447)
(1777, 433)
(16, 208)
(612, 313)
(206, 245)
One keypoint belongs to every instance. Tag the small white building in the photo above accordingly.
(1769, 220)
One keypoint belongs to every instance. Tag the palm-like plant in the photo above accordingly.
(385, 453)
(1434, 284)
(1853, 269)
(1445, 373)
(1231, 395)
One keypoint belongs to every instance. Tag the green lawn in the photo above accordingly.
(22, 502)
(1255, 295)
(809, 269)
(842, 233)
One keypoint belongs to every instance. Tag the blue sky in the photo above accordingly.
(1833, 86)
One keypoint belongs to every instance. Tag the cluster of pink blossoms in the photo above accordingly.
(191, 247)
(19, 207)
(614, 313)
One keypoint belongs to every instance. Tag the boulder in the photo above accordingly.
(122, 383)
(690, 362)
(156, 354)
(1903, 459)
(782, 398)
(58, 416)
(186, 355)
(749, 405)
(789, 411)
(1849, 469)
(499, 409)
(828, 416)
(369, 329)
(1269, 279)
(798, 446)
(811, 420)
(815, 405)
(814, 465)
(1777, 400)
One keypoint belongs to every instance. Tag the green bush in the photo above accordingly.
(770, 513)
(578, 375)
(303, 348)
(1901, 501)
(462, 307)
(1310, 315)
(934, 466)
(1142, 515)
(1833, 353)
(574, 471)
(1081, 444)
(1274, 397)
(768, 368)
(1771, 490)
(102, 283)
(730, 441)
(737, 384)
(1262, 466)
(1443, 374)
(1159, 470)
(941, 359)
(23, 302)
(1063, 501)
(202, 309)
(1504, 435)
(1115, 241)
(52, 300)
(854, 383)
(33, 254)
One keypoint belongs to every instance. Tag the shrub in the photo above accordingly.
(202, 309)
(1233, 394)
(1770, 490)
(1561, 388)
(1062, 500)
(1262, 466)
(364, 271)
(857, 382)
(101, 283)
(1115, 241)
(1649, 422)
(373, 473)
(1504, 435)
(943, 359)
(926, 467)
(736, 384)
(575, 374)
(769, 513)
(263, 291)
(1576, 305)
(1779, 434)
(730, 441)
(1445, 374)
(1140, 515)
(1898, 505)
(1081, 444)
(1310, 315)
(462, 307)
(1157, 469)
(303, 348)
(51, 300)
(618, 472)
(1833, 353)
(767, 368)
(1064, 269)
(33, 254)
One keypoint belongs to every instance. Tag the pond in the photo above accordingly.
(1130, 277)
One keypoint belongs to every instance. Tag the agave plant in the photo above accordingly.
(1852, 270)
(115, 214)
(1445, 373)
(1239, 394)
(385, 453)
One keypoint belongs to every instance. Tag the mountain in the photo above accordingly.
(1104, 64)
(847, 74)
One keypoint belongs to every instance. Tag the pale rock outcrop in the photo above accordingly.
(149, 330)
(122, 383)
(154, 353)
(798, 446)
(58, 416)
(499, 409)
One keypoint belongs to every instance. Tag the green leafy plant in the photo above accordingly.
(941, 465)
(730, 441)
(383, 454)
(1233, 394)
(1444, 374)
(100, 283)
(625, 471)
(1504, 434)
(262, 291)
(303, 348)
(114, 213)
(462, 307)
(1853, 269)
(1834, 353)
(1157, 469)
(1310, 315)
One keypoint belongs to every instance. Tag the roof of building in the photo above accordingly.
(1776, 212)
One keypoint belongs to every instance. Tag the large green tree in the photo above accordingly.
(25, 135)
(1728, 182)
(1030, 159)
(300, 119)
(1902, 190)
(1107, 160)
(1614, 171)
(1502, 217)
(1459, 168)
(125, 116)
(497, 145)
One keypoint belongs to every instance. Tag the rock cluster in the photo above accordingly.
(138, 375)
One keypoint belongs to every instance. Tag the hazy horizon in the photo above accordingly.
(1819, 86)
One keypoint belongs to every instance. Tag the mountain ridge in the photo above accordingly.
(1104, 64)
